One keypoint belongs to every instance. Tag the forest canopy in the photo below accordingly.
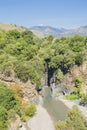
(26, 54)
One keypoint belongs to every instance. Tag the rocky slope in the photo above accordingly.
(68, 82)
(28, 89)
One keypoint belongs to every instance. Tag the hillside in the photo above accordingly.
(47, 30)
(8, 27)
(26, 57)
(28, 63)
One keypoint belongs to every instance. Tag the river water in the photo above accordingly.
(56, 109)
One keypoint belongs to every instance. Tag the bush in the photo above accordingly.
(8, 104)
(75, 121)
(3, 118)
(72, 96)
(30, 110)
(3, 114)
(61, 125)
(7, 98)
(23, 117)
(84, 99)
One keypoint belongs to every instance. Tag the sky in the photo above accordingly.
(56, 13)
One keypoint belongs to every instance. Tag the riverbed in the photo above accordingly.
(56, 108)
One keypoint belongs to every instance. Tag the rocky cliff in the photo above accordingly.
(28, 90)
(68, 82)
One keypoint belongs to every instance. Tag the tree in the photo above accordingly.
(84, 99)
(28, 36)
(61, 125)
(78, 85)
(74, 121)
(59, 75)
(13, 34)
(30, 110)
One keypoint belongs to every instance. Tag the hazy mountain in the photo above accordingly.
(48, 30)
(42, 31)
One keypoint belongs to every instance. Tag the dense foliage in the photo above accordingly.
(8, 101)
(10, 106)
(26, 54)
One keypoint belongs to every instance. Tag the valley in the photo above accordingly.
(48, 67)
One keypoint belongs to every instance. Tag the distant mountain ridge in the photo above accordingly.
(56, 32)
(42, 31)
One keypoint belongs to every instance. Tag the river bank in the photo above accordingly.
(70, 104)
(41, 121)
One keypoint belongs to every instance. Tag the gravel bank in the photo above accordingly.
(41, 121)
(70, 104)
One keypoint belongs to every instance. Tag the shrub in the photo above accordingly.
(23, 117)
(72, 96)
(61, 125)
(8, 104)
(84, 99)
(3, 118)
(75, 121)
(30, 110)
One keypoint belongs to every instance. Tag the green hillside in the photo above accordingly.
(25, 57)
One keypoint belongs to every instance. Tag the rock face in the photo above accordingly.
(16, 124)
(29, 91)
(27, 94)
(68, 82)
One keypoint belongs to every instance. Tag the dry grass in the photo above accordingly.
(18, 90)
(8, 27)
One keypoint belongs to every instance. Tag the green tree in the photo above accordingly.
(28, 36)
(13, 34)
(61, 125)
(78, 85)
(30, 110)
(74, 121)
(84, 99)
(59, 75)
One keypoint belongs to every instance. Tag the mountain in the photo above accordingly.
(47, 30)
(42, 31)
(56, 32)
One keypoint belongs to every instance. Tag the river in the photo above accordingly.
(56, 109)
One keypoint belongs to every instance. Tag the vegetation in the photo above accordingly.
(74, 121)
(72, 96)
(77, 91)
(78, 85)
(23, 56)
(8, 101)
(29, 111)
(84, 99)
(10, 105)
(26, 54)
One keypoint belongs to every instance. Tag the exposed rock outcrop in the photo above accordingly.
(68, 82)
(29, 89)
(17, 124)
